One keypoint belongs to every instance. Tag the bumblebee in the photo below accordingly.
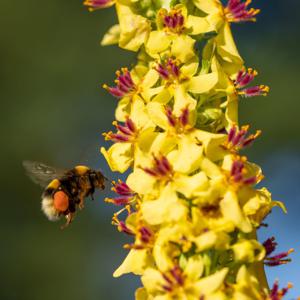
(65, 190)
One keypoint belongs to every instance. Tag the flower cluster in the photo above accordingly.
(190, 202)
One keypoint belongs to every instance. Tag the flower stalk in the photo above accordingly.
(190, 201)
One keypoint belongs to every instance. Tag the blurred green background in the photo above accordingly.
(54, 110)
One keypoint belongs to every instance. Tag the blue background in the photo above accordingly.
(54, 111)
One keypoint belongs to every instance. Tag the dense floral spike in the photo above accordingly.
(192, 203)
(125, 85)
(98, 4)
(243, 79)
(237, 11)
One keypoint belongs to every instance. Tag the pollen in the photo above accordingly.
(61, 201)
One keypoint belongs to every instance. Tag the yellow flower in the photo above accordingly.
(134, 29)
(183, 283)
(170, 34)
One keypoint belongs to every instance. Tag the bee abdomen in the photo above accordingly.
(47, 200)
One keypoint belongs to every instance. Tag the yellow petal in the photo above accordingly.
(227, 49)
(150, 79)
(158, 42)
(183, 48)
(188, 156)
(163, 143)
(152, 280)
(208, 6)
(232, 211)
(203, 83)
(157, 113)
(134, 28)
(212, 144)
(162, 95)
(189, 186)
(119, 156)
(139, 114)
(167, 208)
(140, 182)
(210, 168)
(209, 239)
(211, 283)
(197, 25)
(112, 36)
(248, 251)
(182, 100)
(231, 113)
(123, 109)
(194, 268)
(141, 294)
(190, 68)
(135, 262)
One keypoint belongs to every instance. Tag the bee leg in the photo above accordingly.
(69, 219)
(81, 202)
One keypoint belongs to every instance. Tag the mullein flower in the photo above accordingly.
(190, 202)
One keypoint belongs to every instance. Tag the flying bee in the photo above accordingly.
(65, 190)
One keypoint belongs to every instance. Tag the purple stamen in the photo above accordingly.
(161, 168)
(124, 84)
(237, 11)
(125, 133)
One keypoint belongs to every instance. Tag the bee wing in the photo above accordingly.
(40, 173)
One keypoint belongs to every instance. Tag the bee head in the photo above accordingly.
(97, 179)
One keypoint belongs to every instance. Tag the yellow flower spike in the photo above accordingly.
(190, 197)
